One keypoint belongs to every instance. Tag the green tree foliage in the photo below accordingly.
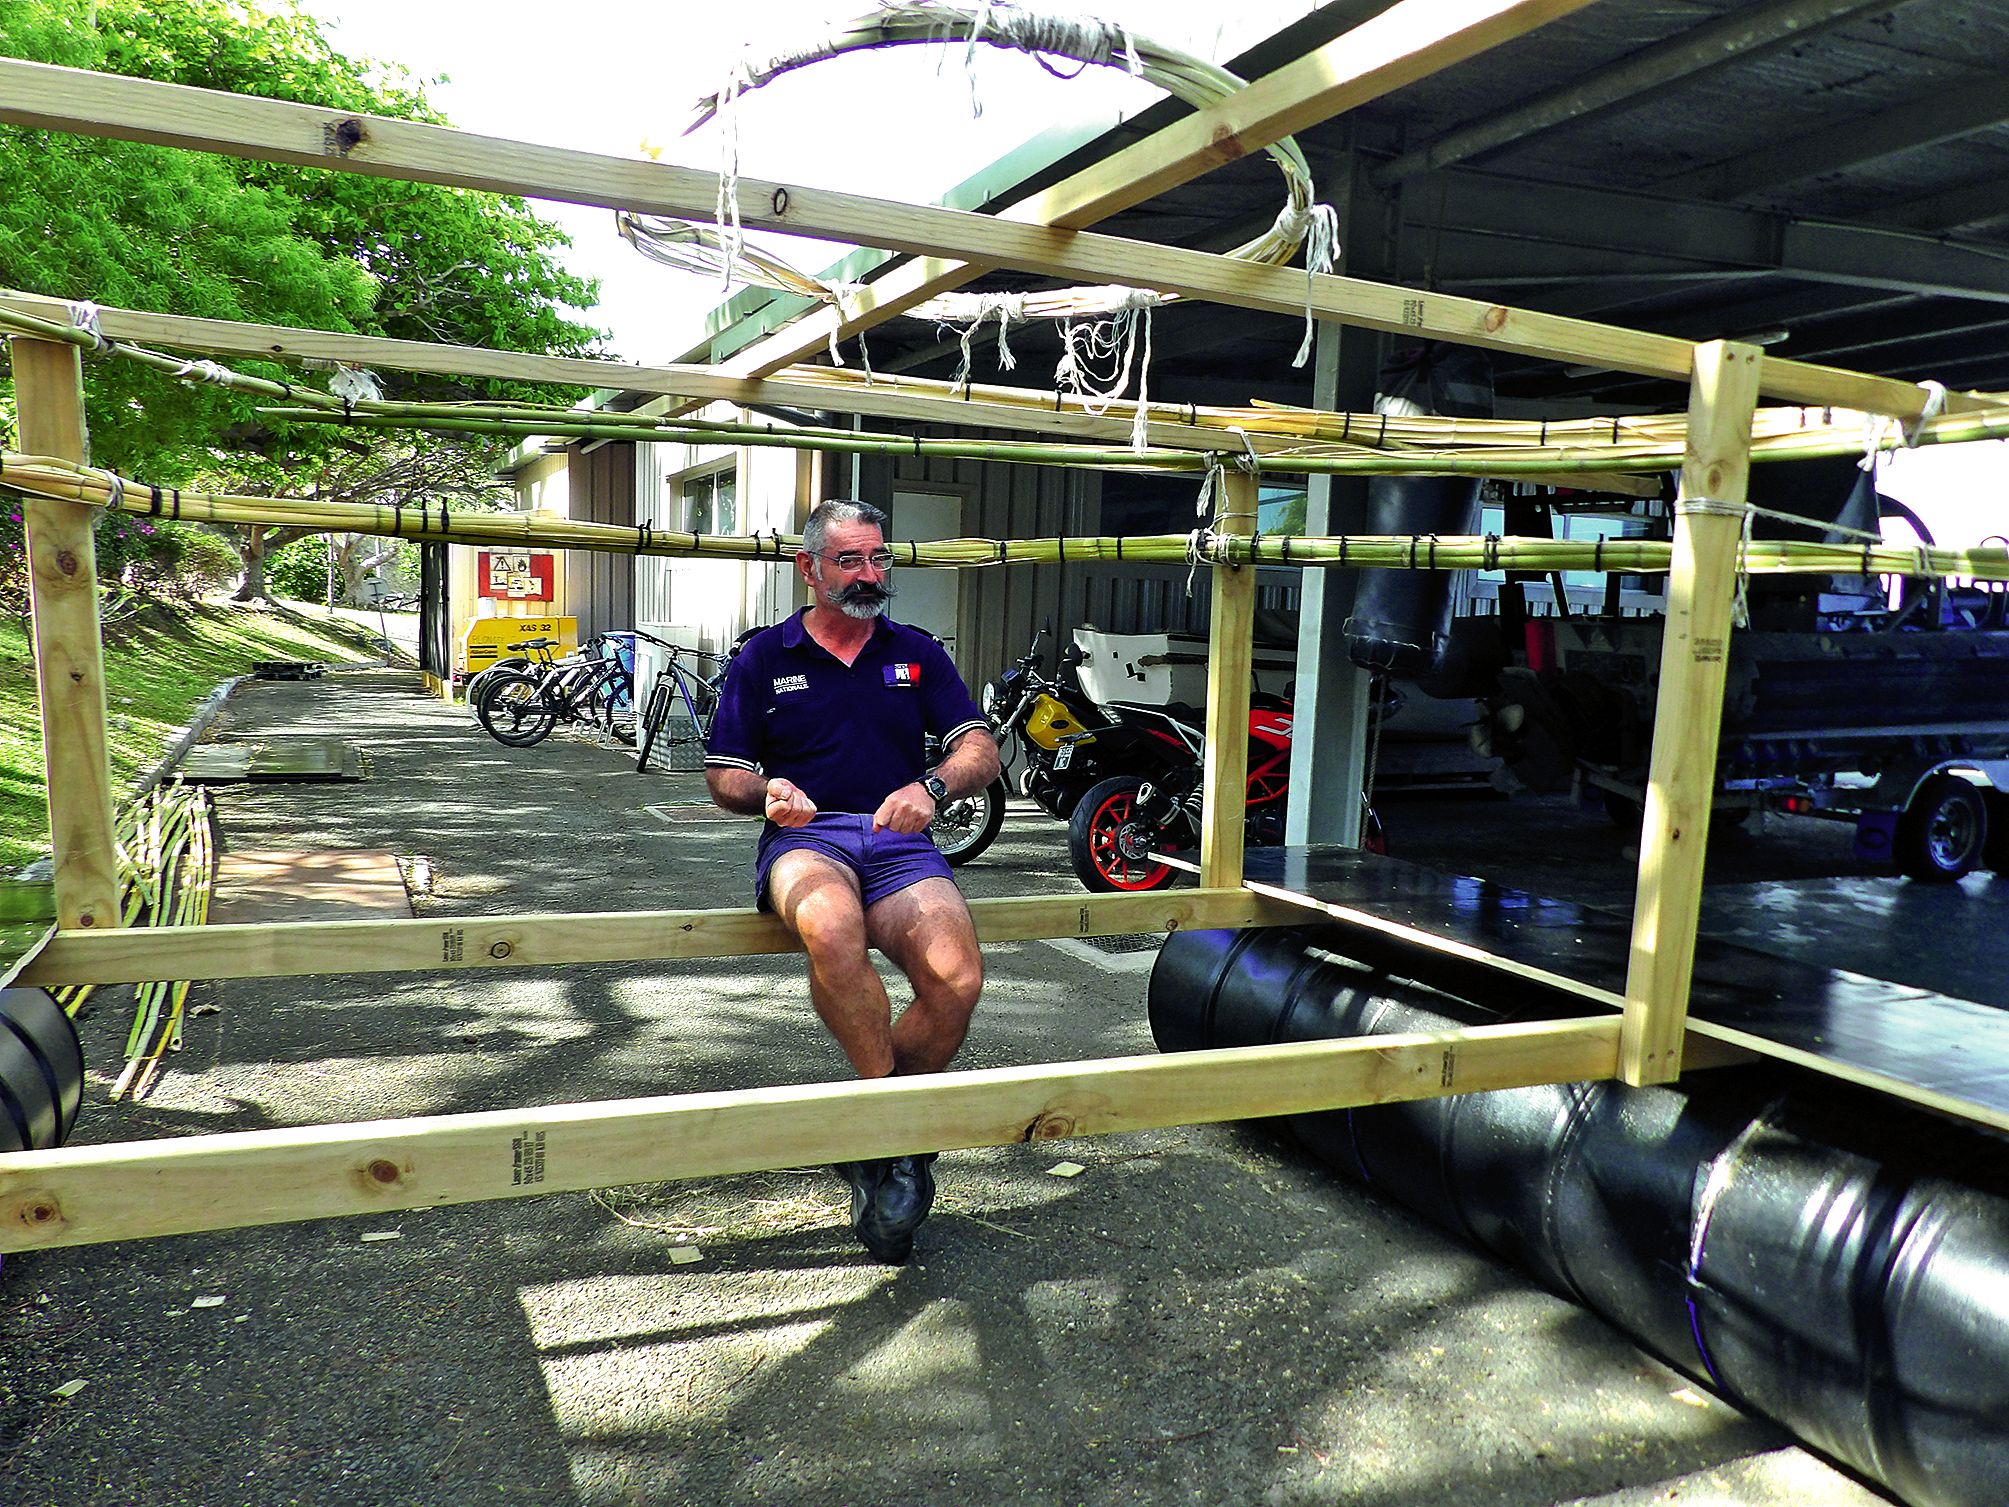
(157, 228)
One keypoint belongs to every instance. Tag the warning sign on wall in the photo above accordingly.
(515, 575)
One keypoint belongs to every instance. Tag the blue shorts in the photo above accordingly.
(885, 862)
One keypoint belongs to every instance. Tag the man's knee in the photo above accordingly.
(820, 905)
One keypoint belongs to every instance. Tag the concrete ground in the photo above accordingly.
(1200, 1315)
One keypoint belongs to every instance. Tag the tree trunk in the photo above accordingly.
(252, 587)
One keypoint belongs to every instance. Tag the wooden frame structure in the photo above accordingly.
(109, 1192)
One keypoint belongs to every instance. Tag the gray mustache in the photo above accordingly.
(864, 594)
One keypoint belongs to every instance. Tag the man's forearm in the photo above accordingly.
(970, 764)
(739, 791)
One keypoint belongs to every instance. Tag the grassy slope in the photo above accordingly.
(158, 668)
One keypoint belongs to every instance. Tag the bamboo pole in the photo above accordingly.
(86, 1194)
(44, 96)
(69, 654)
(46, 477)
(1231, 656)
(453, 943)
(1688, 717)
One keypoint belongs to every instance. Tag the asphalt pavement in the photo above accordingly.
(1201, 1315)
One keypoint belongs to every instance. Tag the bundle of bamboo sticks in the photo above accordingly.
(44, 476)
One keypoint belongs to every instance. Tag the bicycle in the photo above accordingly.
(520, 707)
(681, 705)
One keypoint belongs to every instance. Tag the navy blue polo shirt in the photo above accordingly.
(848, 735)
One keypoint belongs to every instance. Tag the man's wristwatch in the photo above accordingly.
(937, 791)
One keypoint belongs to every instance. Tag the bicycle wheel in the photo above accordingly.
(515, 710)
(661, 694)
(478, 682)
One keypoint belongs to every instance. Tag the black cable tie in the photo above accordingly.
(1192, 416)
(1381, 439)
(1433, 552)
(917, 447)
(445, 518)
(1597, 554)
(398, 519)
(1346, 428)
(1414, 540)
(1061, 540)
(1001, 552)
(1255, 545)
(1545, 433)
(1614, 429)
(153, 502)
(177, 505)
(1342, 551)
(1489, 552)
(642, 538)
(1119, 546)
(348, 409)
(1287, 549)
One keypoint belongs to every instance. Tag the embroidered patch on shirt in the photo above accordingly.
(786, 683)
(903, 674)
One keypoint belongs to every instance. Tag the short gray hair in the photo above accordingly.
(838, 510)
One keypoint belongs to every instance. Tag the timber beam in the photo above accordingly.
(456, 943)
(86, 1194)
(43, 96)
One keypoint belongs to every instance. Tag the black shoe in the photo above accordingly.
(864, 1178)
(889, 1200)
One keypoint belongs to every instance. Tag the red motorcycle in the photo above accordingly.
(1123, 820)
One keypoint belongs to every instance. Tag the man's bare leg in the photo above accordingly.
(817, 898)
(927, 932)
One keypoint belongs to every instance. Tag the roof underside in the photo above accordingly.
(1830, 179)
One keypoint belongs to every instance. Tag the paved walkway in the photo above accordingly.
(1198, 1316)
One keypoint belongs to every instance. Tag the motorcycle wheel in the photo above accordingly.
(1109, 840)
(964, 828)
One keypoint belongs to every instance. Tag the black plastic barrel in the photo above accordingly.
(41, 1071)
(1831, 1260)
(1401, 619)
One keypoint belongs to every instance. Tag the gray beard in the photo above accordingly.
(853, 604)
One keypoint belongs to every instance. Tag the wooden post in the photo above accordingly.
(69, 654)
(1230, 666)
(1688, 719)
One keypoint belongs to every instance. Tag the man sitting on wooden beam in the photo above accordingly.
(823, 728)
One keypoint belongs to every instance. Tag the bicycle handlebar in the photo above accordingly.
(675, 649)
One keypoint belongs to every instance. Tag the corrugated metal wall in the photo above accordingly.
(600, 587)
(1001, 607)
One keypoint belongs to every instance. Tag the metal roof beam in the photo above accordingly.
(1714, 235)
(1737, 38)
(1944, 116)
(1951, 208)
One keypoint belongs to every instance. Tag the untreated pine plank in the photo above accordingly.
(44, 96)
(1407, 42)
(69, 654)
(86, 1194)
(1688, 717)
(290, 950)
(1231, 656)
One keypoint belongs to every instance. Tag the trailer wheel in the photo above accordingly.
(1943, 832)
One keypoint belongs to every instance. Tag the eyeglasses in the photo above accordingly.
(853, 559)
